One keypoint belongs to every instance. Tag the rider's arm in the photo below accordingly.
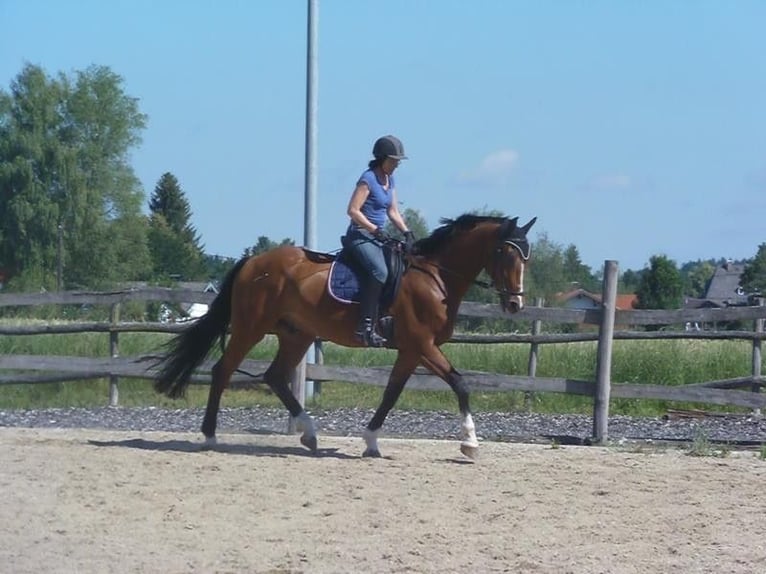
(354, 210)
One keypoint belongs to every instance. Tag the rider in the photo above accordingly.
(373, 199)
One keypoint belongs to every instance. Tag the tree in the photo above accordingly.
(67, 192)
(753, 279)
(629, 281)
(217, 266)
(265, 244)
(173, 241)
(661, 286)
(546, 276)
(576, 272)
(696, 276)
(415, 223)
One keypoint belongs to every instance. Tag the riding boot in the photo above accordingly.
(368, 315)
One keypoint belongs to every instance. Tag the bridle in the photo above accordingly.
(522, 246)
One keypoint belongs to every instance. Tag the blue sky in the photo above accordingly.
(628, 128)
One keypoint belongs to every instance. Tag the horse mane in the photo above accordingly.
(450, 228)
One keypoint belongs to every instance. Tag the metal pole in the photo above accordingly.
(311, 177)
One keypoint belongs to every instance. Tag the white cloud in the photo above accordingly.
(493, 170)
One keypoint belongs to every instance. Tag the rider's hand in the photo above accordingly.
(381, 235)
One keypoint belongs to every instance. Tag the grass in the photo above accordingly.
(673, 362)
(701, 446)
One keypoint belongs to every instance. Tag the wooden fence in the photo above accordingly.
(741, 391)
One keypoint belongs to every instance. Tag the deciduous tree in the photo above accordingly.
(264, 244)
(753, 278)
(67, 192)
(661, 286)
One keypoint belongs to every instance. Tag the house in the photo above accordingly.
(723, 290)
(582, 299)
(196, 310)
(182, 311)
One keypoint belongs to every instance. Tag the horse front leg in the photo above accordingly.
(292, 348)
(438, 364)
(403, 367)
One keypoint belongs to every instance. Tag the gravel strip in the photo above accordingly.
(736, 429)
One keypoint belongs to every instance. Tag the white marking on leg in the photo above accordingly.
(371, 439)
(469, 431)
(304, 422)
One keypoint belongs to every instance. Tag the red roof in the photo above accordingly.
(624, 302)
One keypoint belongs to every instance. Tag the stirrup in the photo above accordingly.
(370, 338)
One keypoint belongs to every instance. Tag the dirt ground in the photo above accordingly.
(97, 502)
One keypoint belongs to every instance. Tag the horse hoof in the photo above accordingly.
(210, 442)
(371, 453)
(310, 442)
(469, 450)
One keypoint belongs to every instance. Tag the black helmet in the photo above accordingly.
(388, 146)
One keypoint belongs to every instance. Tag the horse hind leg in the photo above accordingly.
(292, 348)
(235, 352)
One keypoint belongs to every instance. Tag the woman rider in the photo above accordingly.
(374, 200)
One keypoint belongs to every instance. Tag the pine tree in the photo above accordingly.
(173, 241)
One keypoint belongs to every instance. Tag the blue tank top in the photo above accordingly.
(378, 201)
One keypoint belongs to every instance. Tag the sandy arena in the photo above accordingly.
(104, 501)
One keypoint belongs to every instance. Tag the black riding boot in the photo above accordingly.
(368, 315)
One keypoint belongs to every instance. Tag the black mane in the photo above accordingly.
(451, 227)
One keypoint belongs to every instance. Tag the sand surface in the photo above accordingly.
(103, 501)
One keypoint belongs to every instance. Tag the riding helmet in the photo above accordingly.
(388, 146)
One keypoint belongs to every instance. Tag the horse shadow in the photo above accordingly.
(189, 446)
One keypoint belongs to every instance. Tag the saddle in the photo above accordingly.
(344, 285)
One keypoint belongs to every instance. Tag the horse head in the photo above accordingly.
(508, 261)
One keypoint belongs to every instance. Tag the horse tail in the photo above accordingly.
(187, 350)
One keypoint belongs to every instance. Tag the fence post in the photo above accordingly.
(604, 354)
(318, 360)
(758, 328)
(298, 388)
(532, 364)
(114, 352)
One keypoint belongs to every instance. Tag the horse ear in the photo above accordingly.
(528, 225)
(507, 227)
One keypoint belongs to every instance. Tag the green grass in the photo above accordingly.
(673, 362)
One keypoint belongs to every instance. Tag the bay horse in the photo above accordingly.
(284, 292)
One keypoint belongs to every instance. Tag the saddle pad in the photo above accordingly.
(342, 283)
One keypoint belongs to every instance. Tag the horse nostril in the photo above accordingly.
(514, 307)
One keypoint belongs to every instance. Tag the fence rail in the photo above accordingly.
(46, 369)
